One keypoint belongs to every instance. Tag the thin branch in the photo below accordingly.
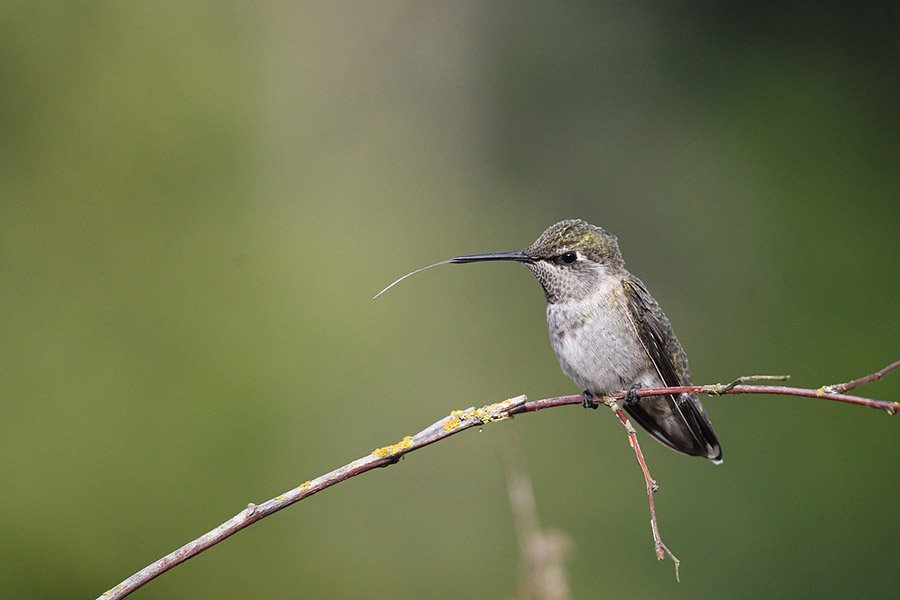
(661, 549)
(456, 421)
(721, 389)
(718, 389)
(450, 425)
(841, 388)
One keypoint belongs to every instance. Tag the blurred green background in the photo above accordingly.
(199, 201)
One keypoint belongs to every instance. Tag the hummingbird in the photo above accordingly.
(608, 333)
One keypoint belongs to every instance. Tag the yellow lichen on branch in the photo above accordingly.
(484, 414)
(392, 449)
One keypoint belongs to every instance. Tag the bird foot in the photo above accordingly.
(587, 400)
(630, 396)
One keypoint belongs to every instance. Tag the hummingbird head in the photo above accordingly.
(571, 259)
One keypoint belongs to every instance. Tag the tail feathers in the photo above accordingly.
(679, 423)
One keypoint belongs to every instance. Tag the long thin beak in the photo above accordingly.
(515, 255)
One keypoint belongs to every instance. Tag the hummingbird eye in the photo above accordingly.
(569, 257)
